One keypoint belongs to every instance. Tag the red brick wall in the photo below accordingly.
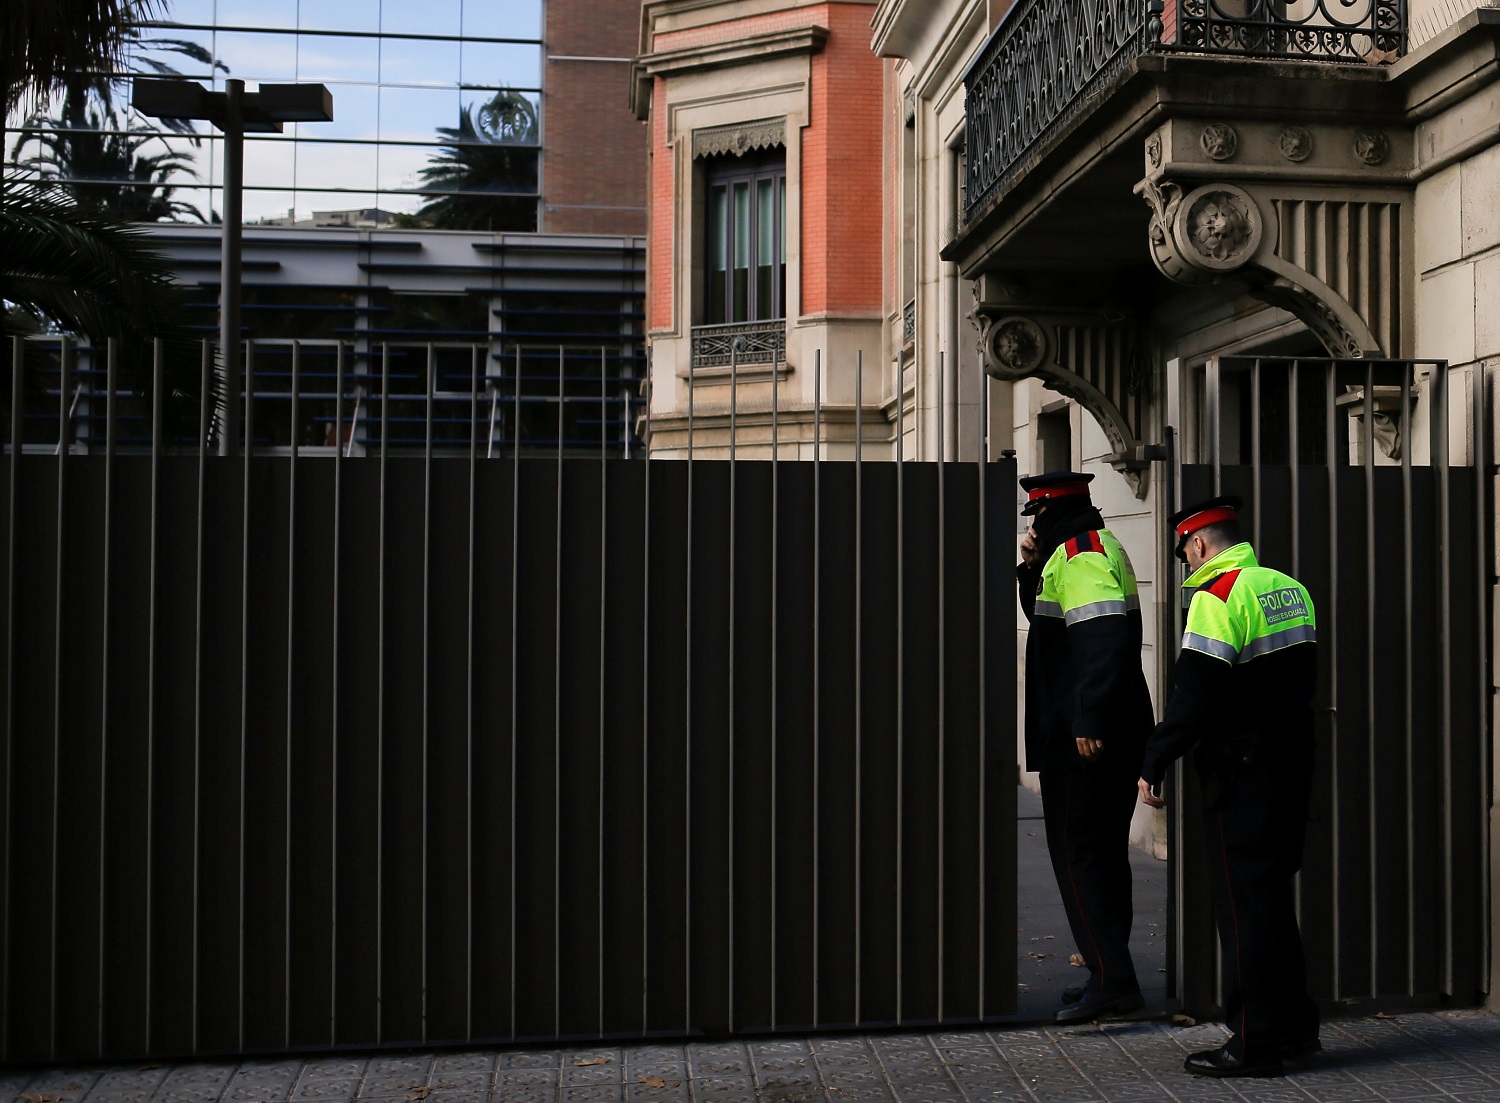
(659, 242)
(841, 163)
(841, 179)
(594, 148)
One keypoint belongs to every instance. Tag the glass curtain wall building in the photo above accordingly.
(400, 239)
(423, 91)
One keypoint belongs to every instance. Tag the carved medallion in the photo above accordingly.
(1014, 347)
(1371, 147)
(1153, 151)
(1219, 225)
(1219, 141)
(1296, 143)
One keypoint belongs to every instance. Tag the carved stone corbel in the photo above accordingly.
(1219, 229)
(1199, 236)
(1017, 346)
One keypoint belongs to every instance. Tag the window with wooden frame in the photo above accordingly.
(745, 241)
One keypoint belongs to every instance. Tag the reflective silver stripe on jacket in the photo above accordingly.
(1047, 609)
(1298, 633)
(1192, 641)
(1108, 607)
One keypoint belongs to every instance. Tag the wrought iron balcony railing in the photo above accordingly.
(715, 346)
(1047, 59)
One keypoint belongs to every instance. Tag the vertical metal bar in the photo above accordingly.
(515, 589)
(111, 375)
(200, 615)
(645, 977)
(157, 422)
(336, 681)
(246, 458)
(1409, 706)
(1371, 631)
(817, 697)
(469, 686)
(65, 385)
(380, 626)
(17, 392)
(734, 380)
(900, 407)
(1330, 371)
(859, 564)
(1212, 407)
(426, 654)
(900, 681)
(775, 652)
(291, 681)
(942, 702)
(687, 733)
(1480, 458)
(111, 385)
(982, 452)
(230, 268)
(942, 408)
(1294, 457)
(1445, 597)
(1255, 449)
(603, 628)
(557, 684)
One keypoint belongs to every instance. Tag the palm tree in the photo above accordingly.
(493, 161)
(65, 268)
(43, 42)
(108, 164)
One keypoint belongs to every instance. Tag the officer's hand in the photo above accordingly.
(1029, 553)
(1147, 796)
(1090, 748)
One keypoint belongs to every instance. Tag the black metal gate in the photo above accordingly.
(326, 750)
(1344, 467)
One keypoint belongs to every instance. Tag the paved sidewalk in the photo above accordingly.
(1453, 1056)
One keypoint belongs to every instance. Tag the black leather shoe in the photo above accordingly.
(1220, 1062)
(1074, 994)
(1292, 1051)
(1091, 1006)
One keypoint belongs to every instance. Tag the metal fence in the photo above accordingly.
(1344, 468)
(414, 739)
(354, 396)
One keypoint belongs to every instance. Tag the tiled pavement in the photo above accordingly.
(1450, 1056)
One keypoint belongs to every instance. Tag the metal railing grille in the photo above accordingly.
(425, 743)
(1344, 467)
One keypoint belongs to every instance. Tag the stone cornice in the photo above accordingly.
(740, 51)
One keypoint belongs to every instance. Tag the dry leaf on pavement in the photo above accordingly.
(593, 1061)
(653, 1081)
(1075, 960)
(1184, 1020)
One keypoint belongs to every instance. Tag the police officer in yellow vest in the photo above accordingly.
(1242, 702)
(1088, 714)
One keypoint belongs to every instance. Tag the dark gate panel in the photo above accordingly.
(1392, 894)
(322, 751)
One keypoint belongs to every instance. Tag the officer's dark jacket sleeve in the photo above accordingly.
(1026, 580)
(1201, 687)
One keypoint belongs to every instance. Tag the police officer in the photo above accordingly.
(1242, 701)
(1088, 715)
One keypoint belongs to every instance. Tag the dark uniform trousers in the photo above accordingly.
(1255, 822)
(1087, 810)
